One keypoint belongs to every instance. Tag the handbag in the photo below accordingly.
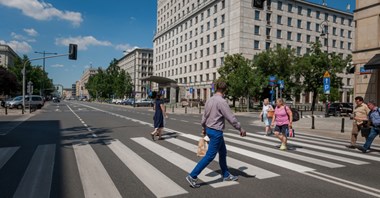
(290, 132)
(202, 147)
(270, 113)
(365, 130)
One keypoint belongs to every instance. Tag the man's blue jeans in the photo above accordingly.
(215, 146)
(372, 135)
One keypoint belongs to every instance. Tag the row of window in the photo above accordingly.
(193, 79)
(161, 20)
(310, 13)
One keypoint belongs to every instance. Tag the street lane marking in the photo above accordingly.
(146, 172)
(352, 154)
(345, 183)
(261, 157)
(6, 154)
(209, 176)
(287, 154)
(184, 121)
(95, 179)
(249, 169)
(37, 178)
(303, 150)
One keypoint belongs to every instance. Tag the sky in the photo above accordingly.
(102, 29)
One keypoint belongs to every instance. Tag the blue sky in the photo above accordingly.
(102, 30)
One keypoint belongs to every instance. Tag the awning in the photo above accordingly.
(160, 80)
(374, 63)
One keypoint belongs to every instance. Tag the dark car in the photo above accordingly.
(56, 99)
(339, 109)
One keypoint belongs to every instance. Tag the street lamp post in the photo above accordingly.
(43, 66)
(325, 32)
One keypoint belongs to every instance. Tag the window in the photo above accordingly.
(326, 16)
(279, 5)
(222, 61)
(278, 33)
(342, 20)
(300, 10)
(317, 27)
(214, 62)
(299, 23)
(308, 38)
(290, 21)
(349, 34)
(290, 7)
(289, 36)
(201, 28)
(341, 45)
(207, 51)
(334, 43)
(208, 12)
(350, 22)
(268, 17)
(257, 15)
(268, 32)
(267, 45)
(223, 18)
(334, 18)
(223, 4)
(308, 25)
(215, 36)
(215, 8)
(342, 32)
(256, 45)
(334, 31)
(215, 49)
(257, 30)
(318, 15)
(349, 46)
(215, 22)
(208, 39)
(279, 19)
(208, 25)
(299, 37)
(298, 50)
(326, 42)
(222, 33)
(207, 65)
(222, 47)
(309, 12)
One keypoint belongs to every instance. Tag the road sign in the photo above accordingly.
(191, 90)
(281, 83)
(326, 75)
(326, 85)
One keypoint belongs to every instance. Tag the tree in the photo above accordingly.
(311, 67)
(8, 82)
(238, 73)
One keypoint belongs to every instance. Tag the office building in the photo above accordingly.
(193, 36)
(7, 56)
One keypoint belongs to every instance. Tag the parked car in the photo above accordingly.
(144, 103)
(191, 102)
(34, 100)
(128, 101)
(340, 108)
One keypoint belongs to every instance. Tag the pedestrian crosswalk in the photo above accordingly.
(255, 155)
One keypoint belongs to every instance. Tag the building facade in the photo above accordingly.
(138, 63)
(193, 36)
(7, 56)
(367, 45)
(83, 91)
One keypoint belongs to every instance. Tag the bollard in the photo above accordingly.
(186, 109)
(312, 122)
(342, 130)
(173, 109)
(301, 114)
(305, 108)
(6, 110)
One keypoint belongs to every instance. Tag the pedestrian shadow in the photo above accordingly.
(233, 171)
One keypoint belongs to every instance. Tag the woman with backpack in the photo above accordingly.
(283, 118)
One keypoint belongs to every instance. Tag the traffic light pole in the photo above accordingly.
(24, 72)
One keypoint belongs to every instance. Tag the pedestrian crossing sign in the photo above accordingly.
(326, 75)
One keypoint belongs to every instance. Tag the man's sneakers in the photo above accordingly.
(362, 149)
(192, 182)
(283, 147)
(231, 178)
(351, 146)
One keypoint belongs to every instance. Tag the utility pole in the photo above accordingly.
(42, 89)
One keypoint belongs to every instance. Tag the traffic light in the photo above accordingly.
(258, 3)
(73, 51)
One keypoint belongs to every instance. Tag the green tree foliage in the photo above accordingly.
(279, 62)
(34, 74)
(8, 82)
(111, 82)
(240, 76)
(311, 67)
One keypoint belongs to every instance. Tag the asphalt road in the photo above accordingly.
(80, 149)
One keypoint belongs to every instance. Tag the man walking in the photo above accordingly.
(213, 122)
(360, 117)
(374, 118)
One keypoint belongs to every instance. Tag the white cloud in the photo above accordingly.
(57, 66)
(125, 48)
(17, 36)
(31, 32)
(18, 46)
(40, 10)
(82, 42)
